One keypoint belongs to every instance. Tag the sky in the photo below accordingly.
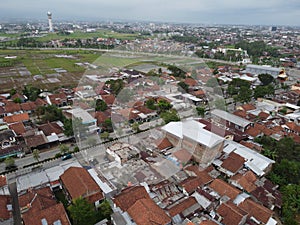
(256, 12)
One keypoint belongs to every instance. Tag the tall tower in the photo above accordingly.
(49, 14)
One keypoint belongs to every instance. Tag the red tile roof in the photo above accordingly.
(233, 162)
(232, 215)
(51, 214)
(146, 212)
(40, 102)
(181, 206)
(58, 99)
(190, 81)
(129, 196)
(163, 144)
(28, 106)
(224, 188)
(246, 180)
(293, 126)
(208, 222)
(35, 140)
(50, 128)
(183, 155)
(2, 180)
(240, 113)
(263, 115)
(202, 174)
(12, 107)
(248, 107)
(4, 213)
(79, 183)
(40, 204)
(256, 210)
(191, 184)
(18, 128)
(16, 118)
(108, 99)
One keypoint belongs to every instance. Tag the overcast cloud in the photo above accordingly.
(281, 12)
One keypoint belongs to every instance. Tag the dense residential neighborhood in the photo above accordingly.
(149, 123)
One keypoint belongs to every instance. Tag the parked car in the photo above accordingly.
(66, 156)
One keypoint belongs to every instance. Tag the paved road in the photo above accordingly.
(29, 159)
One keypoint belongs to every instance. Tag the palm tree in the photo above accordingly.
(36, 154)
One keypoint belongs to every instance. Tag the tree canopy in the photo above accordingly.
(82, 212)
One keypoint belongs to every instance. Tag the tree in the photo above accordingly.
(135, 127)
(17, 100)
(9, 163)
(104, 135)
(63, 149)
(200, 111)
(68, 127)
(184, 86)
(212, 82)
(82, 212)
(12, 92)
(220, 104)
(100, 105)
(244, 95)
(169, 116)
(164, 105)
(36, 154)
(265, 79)
(104, 211)
(31, 92)
(151, 104)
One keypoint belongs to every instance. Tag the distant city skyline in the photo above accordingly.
(255, 12)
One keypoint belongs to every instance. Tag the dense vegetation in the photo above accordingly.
(285, 173)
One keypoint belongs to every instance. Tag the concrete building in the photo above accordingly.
(204, 145)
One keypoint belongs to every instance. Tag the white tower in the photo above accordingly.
(49, 14)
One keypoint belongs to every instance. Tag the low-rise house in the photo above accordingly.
(230, 120)
(191, 135)
(28, 107)
(77, 182)
(122, 152)
(58, 100)
(182, 209)
(39, 206)
(145, 211)
(35, 139)
(18, 128)
(231, 214)
(5, 208)
(232, 164)
(257, 213)
(7, 138)
(22, 117)
(12, 108)
(224, 189)
(244, 181)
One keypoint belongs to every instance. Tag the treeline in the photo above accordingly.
(285, 173)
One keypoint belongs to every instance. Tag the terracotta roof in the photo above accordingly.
(202, 174)
(248, 107)
(179, 207)
(224, 188)
(240, 113)
(4, 213)
(191, 184)
(18, 95)
(233, 162)
(109, 99)
(183, 155)
(58, 99)
(129, 196)
(246, 180)
(79, 183)
(190, 81)
(16, 118)
(12, 107)
(145, 211)
(251, 145)
(28, 106)
(18, 128)
(163, 144)
(256, 210)
(2, 180)
(40, 102)
(35, 140)
(208, 222)
(40, 204)
(50, 128)
(51, 214)
(293, 126)
(199, 93)
(100, 117)
(254, 131)
(232, 215)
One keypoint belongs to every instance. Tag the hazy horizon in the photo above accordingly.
(254, 12)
